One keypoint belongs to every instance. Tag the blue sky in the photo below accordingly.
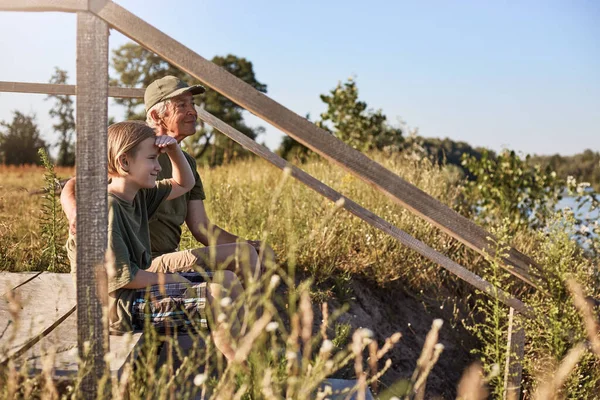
(515, 74)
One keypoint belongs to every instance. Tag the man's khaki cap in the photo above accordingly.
(168, 87)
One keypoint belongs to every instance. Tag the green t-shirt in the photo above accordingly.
(128, 249)
(165, 225)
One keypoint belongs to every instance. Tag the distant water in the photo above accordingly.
(584, 212)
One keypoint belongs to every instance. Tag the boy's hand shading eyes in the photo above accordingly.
(165, 143)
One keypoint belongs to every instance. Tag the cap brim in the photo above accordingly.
(194, 90)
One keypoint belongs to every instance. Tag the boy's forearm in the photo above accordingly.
(182, 173)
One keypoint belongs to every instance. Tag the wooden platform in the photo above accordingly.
(42, 316)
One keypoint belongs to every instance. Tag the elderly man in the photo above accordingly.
(170, 111)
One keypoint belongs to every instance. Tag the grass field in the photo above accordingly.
(333, 248)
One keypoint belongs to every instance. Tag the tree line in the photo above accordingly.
(346, 116)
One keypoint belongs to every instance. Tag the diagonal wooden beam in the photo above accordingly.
(44, 5)
(60, 89)
(311, 136)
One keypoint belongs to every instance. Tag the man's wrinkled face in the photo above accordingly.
(180, 117)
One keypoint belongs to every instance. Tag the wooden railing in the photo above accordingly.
(94, 19)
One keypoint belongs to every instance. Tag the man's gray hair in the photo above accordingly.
(161, 109)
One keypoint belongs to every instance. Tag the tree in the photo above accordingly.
(63, 111)
(138, 67)
(20, 140)
(350, 120)
(291, 149)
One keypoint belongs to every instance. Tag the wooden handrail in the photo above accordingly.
(62, 89)
(44, 5)
(311, 136)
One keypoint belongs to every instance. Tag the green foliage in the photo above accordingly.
(292, 150)
(490, 324)
(20, 141)
(508, 187)
(138, 67)
(584, 166)
(557, 326)
(350, 120)
(63, 111)
(52, 223)
(443, 151)
(342, 335)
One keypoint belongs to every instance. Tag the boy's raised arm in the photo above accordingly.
(183, 179)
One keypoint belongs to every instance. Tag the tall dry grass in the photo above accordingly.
(285, 358)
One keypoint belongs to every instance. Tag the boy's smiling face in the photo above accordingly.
(143, 166)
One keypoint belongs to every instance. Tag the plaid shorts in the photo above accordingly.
(173, 306)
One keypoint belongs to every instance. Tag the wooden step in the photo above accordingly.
(46, 319)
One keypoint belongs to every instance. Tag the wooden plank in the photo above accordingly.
(361, 212)
(311, 136)
(43, 5)
(70, 90)
(91, 197)
(44, 302)
(514, 358)
(63, 339)
(11, 280)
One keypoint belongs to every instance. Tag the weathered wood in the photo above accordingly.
(361, 212)
(63, 339)
(92, 118)
(311, 136)
(40, 295)
(43, 5)
(514, 358)
(42, 303)
(10, 280)
(69, 90)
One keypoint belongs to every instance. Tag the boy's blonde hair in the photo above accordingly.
(123, 138)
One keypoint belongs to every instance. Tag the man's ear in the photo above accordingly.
(123, 162)
(158, 122)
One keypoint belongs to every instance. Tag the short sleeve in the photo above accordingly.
(119, 268)
(197, 192)
(156, 195)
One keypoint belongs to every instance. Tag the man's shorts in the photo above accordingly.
(173, 306)
(178, 261)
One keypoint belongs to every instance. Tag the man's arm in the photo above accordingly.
(143, 279)
(201, 228)
(69, 204)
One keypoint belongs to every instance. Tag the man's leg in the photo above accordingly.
(240, 258)
(226, 320)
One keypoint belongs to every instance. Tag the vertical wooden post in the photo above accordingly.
(92, 117)
(514, 358)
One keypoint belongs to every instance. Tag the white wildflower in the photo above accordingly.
(225, 302)
(272, 326)
(199, 379)
(327, 346)
(275, 279)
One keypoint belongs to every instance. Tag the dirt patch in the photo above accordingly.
(392, 309)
